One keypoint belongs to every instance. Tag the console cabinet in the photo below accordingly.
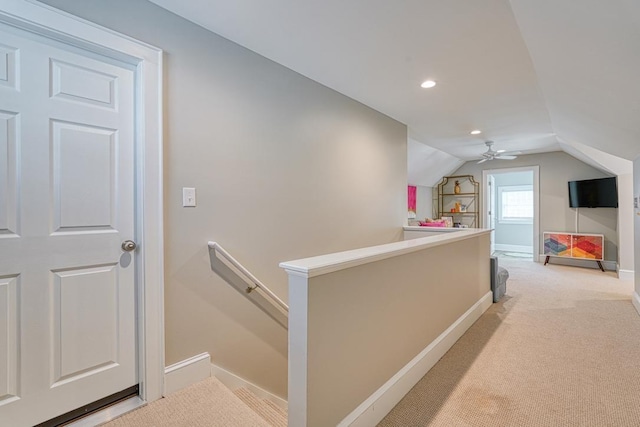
(574, 245)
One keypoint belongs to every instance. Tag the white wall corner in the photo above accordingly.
(626, 274)
(378, 405)
(635, 299)
(234, 382)
(186, 372)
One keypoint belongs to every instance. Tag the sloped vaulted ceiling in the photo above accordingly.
(587, 58)
(530, 73)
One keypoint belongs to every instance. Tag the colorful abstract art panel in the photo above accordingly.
(557, 244)
(589, 247)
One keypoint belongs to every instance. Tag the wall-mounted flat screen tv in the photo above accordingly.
(593, 193)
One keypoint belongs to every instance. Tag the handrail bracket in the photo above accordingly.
(235, 274)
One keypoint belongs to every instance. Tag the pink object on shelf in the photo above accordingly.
(433, 224)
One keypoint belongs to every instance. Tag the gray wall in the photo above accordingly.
(512, 234)
(424, 202)
(556, 169)
(284, 168)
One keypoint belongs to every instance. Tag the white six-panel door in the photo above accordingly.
(67, 288)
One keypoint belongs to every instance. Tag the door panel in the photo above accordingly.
(73, 82)
(9, 344)
(8, 66)
(8, 174)
(67, 290)
(85, 322)
(84, 180)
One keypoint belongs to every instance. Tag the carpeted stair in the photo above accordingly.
(274, 415)
(207, 403)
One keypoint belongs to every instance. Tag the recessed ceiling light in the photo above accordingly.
(428, 84)
(475, 132)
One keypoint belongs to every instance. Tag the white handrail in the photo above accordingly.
(257, 283)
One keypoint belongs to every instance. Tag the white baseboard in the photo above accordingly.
(576, 262)
(187, 372)
(626, 274)
(513, 248)
(374, 409)
(635, 299)
(234, 382)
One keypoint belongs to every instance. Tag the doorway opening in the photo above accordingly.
(511, 200)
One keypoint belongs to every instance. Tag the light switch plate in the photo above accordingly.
(188, 197)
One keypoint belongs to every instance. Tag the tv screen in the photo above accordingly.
(593, 193)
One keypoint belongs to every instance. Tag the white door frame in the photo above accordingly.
(536, 200)
(147, 61)
(491, 207)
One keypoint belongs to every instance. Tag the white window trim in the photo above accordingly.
(509, 188)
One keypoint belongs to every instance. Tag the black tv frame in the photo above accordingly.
(593, 193)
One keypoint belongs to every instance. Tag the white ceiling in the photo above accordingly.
(534, 75)
(427, 165)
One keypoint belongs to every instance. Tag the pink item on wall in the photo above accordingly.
(412, 198)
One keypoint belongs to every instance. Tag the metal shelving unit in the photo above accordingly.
(467, 199)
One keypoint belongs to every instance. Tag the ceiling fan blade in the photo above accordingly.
(482, 161)
(506, 157)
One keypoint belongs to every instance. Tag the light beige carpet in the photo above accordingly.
(205, 404)
(267, 410)
(561, 349)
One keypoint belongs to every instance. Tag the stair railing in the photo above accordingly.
(247, 284)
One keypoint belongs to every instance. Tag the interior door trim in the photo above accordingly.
(146, 61)
(536, 200)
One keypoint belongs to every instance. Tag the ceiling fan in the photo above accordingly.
(491, 154)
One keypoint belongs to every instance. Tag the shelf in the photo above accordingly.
(469, 196)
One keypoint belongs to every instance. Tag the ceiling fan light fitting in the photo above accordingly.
(491, 154)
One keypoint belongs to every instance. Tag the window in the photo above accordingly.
(516, 204)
